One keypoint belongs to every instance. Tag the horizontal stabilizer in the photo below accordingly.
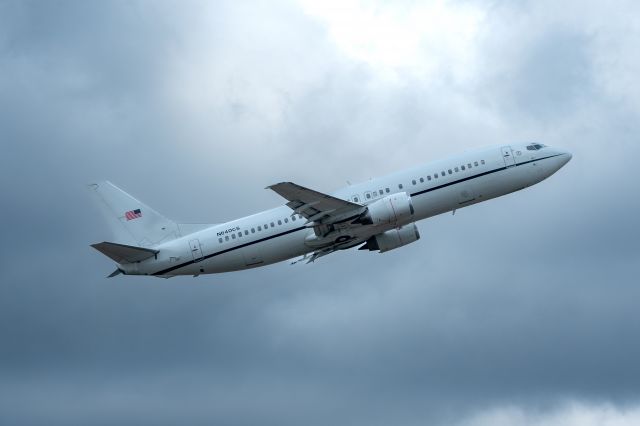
(122, 253)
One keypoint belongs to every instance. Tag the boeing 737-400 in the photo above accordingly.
(377, 215)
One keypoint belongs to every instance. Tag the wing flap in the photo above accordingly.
(311, 257)
(123, 253)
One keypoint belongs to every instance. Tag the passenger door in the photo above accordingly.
(507, 155)
(196, 250)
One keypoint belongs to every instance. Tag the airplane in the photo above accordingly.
(377, 215)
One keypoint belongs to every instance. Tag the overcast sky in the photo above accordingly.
(519, 311)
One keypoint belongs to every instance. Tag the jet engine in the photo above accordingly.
(392, 239)
(393, 209)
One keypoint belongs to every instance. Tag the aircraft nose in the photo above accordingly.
(566, 156)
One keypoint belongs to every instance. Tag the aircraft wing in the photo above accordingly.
(316, 206)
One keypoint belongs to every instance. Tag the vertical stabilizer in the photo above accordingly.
(132, 221)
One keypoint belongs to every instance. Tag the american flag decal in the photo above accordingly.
(133, 214)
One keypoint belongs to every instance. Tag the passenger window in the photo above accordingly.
(226, 238)
(293, 217)
(253, 230)
(279, 222)
(435, 176)
(442, 174)
(233, 236)
(421, 180)
(482, 161)
(429, 177)
(259, 228)
(413, 181)
(462, 167)
(246, 232)
(355, 199)
(400, 186)
(450, 171)
(286, 220)
(469, 165)
(266, 226)
(456, 170)
(368, 195)
(273, 225)
(239, 234)
(220, 240)
(475, 163)
(388, 190)
(380, 191)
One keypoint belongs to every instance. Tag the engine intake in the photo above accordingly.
(394, 209)
(392, 239)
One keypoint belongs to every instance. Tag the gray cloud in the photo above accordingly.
(527, 300)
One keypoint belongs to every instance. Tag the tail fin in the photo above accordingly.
(133, 222)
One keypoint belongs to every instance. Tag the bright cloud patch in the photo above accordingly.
(574, 414)
(396, 39)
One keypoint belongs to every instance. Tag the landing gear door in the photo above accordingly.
(507, 155)
(252, 256)
(196, 250)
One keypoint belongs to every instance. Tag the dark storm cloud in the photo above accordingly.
(557, 71)
(528, 299)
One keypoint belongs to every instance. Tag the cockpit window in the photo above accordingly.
(535, 146)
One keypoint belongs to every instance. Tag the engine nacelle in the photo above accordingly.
(394, 209)
(392, 239)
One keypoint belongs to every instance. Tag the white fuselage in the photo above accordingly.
(277, 234)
